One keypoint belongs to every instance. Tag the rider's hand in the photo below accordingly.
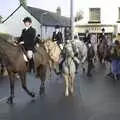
(21, 43)
(37, 45)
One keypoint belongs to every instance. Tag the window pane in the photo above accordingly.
(94, 14)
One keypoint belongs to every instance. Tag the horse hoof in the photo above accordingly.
(67, 94)
(10, 100)
(32, 94)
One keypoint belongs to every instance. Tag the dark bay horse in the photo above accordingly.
(13, 59)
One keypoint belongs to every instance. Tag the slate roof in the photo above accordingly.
(49, 19)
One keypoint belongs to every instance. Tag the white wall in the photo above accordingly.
(2, 28)
(47, 32)
(14, 24)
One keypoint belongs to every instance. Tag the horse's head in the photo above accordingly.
(69, 50)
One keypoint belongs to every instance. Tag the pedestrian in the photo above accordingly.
(27, 40)
(115, 52)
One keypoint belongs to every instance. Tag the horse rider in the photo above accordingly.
(27, 40)
(67, 33)
(102, 37)
(57, 35)
(87, 37)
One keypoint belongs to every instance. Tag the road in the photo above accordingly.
(95, 98)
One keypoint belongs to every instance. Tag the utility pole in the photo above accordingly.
(71, 19)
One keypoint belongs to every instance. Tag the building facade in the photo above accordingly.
(95, 19)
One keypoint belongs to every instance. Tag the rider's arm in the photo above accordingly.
(21, 37)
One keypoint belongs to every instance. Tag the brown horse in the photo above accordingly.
(13, 59)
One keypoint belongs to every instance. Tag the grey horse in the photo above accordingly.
(68, 68)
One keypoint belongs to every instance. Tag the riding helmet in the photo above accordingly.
(27, 19)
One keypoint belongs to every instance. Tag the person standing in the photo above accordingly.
(115, 52)
(27, 40)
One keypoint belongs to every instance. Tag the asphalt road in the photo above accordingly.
(95, 98)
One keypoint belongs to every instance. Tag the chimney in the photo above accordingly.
(58, 11)
(23, 3)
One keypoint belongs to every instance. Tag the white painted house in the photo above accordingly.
(14, 23)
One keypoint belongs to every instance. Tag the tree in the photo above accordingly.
(79, 16)
(23, 2)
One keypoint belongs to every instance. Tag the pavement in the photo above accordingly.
(95, 98)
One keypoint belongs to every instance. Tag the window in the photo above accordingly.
(94, 14)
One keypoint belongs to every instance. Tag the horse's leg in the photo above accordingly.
(2, 70)
(11, 78)
(66, 85)
(42, 73)
(24, 85)
(72, 83)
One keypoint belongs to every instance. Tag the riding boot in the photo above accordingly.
(60, 67)
(76, 66)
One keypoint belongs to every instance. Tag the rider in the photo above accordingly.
(102, 37)
(57, 35)
(87, 37)
(27, 40)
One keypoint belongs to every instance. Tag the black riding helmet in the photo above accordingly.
(27, 19)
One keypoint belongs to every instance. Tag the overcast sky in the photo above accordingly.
(7, 6)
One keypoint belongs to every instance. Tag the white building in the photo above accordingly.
(14, 23)
(96, 18)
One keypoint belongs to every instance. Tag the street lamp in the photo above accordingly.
(42, 16)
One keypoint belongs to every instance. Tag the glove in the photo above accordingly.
(21, 43)
(37, 45)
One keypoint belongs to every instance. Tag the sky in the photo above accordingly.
(7, 6)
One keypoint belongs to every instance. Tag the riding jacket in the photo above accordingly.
(28, 37)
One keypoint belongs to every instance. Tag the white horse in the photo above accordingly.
(80, 48)
(68, 69)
